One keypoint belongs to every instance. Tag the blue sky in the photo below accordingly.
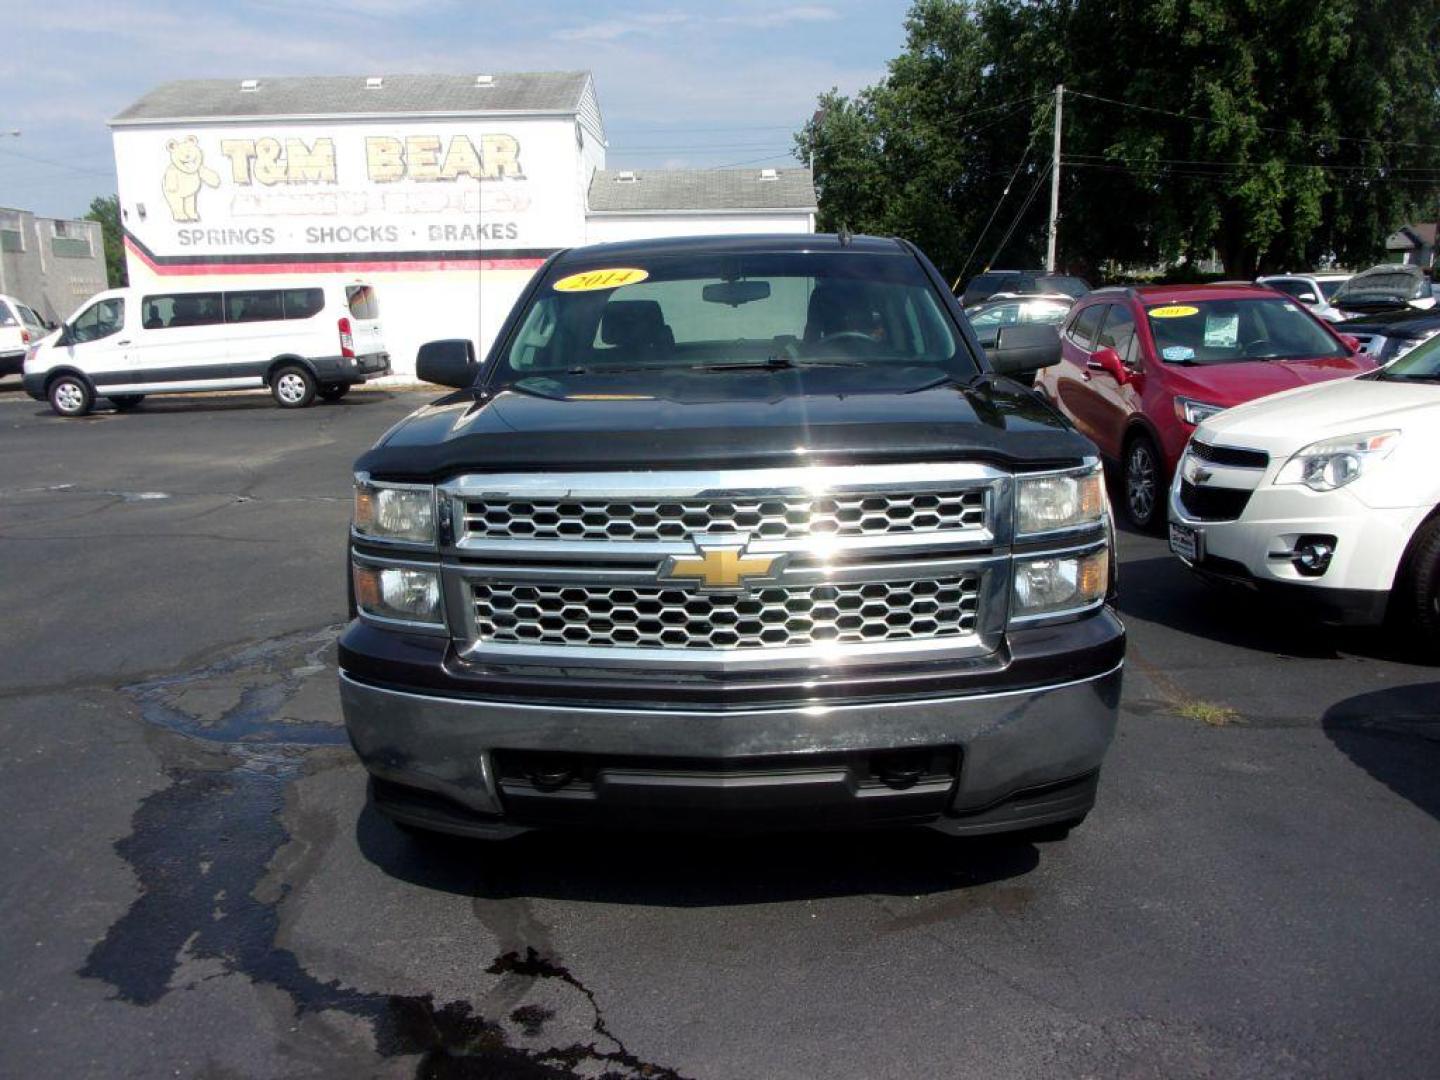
(681, 83)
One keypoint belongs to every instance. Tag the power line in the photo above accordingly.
(991, 220)
(1258, 127)
(1019, 216)
(1196, 174)
(1071, 158)
(55, 164)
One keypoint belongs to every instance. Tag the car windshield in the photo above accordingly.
(1231, 331)
(1070, 286)
(1049, 312)
(1421, 363)
(726, 311)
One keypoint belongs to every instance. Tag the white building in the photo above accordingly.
(445, 192)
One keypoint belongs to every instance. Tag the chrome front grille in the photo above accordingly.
(763, 517)
(678, 618)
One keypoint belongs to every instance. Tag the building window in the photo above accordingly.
(12, 234)
(71, 240)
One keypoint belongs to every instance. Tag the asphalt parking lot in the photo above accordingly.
(194, 887)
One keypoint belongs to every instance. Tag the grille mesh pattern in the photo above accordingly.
(768, 518)
(677, 618)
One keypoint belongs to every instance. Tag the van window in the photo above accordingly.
(361, 299)
(174, 310)
(99, 320)
(303, 303)
(259, 305)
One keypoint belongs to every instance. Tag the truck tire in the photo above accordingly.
(70, 396)
(334, 391)
(293, 387)
(1422, 594)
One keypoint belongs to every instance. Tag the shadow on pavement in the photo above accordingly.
(688, 870)
(158, 405)
(1162, 591)
(1394, 735)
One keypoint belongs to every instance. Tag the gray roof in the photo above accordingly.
(348, 95)
(700, 189)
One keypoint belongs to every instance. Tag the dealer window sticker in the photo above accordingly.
(1222, 331)
(609, 278)
(1173, 311)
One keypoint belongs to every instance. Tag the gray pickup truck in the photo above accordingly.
(741, 532)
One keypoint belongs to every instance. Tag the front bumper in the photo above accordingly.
(1255, 549)
(1018, 758)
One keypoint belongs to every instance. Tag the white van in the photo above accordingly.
(300, 341)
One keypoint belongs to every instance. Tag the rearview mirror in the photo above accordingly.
(447, 363)
(1023, 349)
(736, 293)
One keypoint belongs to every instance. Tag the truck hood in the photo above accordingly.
(727, 419)
(1287, 422)
(1233, 384)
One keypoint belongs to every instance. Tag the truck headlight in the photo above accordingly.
(399, 512)
(398, 592)
(1195, 412)
(1333, 463)
(1060, 583)
(1051, 503)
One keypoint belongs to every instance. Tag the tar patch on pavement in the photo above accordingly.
(202, 847)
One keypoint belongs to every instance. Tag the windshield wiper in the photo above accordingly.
(776, 363)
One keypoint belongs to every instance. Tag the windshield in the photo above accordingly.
(702, 312)
(1231, 331)
(1422, 362)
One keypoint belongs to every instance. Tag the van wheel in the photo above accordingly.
(124, 402)
(334, 391)
(1422, 598)
(293, 387)
(71, 396)
(1144, 484)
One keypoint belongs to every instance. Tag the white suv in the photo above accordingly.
(1312, 290)
(19, 326)
(1328, 493)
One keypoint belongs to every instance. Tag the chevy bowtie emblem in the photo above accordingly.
(721, 565)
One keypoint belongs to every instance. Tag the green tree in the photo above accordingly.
(106, 210)
(1275, 132)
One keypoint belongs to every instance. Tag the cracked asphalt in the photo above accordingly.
(193, 886)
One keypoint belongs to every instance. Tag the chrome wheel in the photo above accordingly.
(69, 397)
(291, 388)
(1141, 481)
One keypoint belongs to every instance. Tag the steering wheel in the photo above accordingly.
(1259, 347)
(857, 337)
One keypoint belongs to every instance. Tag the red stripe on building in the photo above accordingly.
(365, 265)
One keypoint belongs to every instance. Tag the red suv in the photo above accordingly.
(1141, 367)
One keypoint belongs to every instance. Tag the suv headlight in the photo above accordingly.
(1053, 584)
(404, 593)
(1046, 504)
(403, 513)
(1195, 412)
(1333, 463)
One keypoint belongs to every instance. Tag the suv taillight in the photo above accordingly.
(347, 341)
(24, 336)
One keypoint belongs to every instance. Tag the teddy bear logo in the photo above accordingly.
(184, 175)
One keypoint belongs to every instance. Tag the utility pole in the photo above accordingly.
(1055, 181)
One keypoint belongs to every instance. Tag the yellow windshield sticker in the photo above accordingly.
(1173, 311)
(591, 280)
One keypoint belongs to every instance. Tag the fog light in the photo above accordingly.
(1313, 555)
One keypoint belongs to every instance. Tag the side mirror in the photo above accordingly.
(1307, 298)
(1108, 361)
(1023, 349)
(67, 337)
(447, 363)
(1351, 343)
